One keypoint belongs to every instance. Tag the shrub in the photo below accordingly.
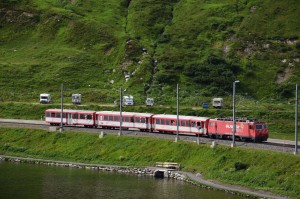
(240, 166)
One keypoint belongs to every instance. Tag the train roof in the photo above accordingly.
(70, 111)
(238, 119)
(124, 113)
(180, 117)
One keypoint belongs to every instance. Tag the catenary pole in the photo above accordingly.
(233, 113)
(177, 122)
(296, 120)
(121, 118)
(62, 107)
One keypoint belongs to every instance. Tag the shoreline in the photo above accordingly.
(194, 179)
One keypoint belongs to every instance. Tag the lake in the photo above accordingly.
(40, 181)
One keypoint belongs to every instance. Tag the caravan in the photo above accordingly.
(45, 98)
(128, 100)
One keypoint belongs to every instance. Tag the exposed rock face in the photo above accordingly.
(18, 17)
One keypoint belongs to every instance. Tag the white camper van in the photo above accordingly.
(76, 98)
(217, 102)
(149, 102)
(128, 100)
(45, 98)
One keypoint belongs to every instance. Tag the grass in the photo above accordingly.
(89, 45)
(264, 170)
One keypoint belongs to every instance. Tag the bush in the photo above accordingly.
(240, 166)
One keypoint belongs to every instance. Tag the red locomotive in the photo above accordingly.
(246, 129)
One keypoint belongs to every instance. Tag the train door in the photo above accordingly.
(69, 118)
(147, 123)
(213, 128)
(199, 127)
(75, 118)
(202, 128)
(99, 118)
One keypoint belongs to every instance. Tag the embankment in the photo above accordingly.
(262, 170)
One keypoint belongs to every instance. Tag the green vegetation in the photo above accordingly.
(203, 45)
(259, 169)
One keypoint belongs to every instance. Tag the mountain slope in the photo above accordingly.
(202, 45)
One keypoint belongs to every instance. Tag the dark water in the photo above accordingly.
(38, 181)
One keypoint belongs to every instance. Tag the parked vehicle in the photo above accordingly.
(128, 100)
(45, 98)
(205, 105)
(149, 102)
(217, 102)
(76, 98)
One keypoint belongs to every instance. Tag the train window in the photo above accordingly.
(89, 117)
(82, 116)
(167, 122)
(143, 120)
(75, 116)
(105, 117)
(116, 118)
(138, 120)
(64, 115)
(182, 123)
(258, 126)
(157, 121)
(163, 122)
(52, 114)
(126, 119)
(48, 114)
(193, 124)
(58, 115)
(198, 124)
(111, 118)
(173, 122)
(187, 123)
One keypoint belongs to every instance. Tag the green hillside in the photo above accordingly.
(204, 45)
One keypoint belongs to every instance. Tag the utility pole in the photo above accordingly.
(177, 123)
(233, 114)
(296, 121)
(121, 118)
(62, 108)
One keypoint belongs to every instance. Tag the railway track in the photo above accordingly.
(285, 146)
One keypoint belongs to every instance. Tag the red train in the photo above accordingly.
(246, 129)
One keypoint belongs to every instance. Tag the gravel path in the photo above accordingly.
(231, 188)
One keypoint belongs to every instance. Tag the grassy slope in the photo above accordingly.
(234, 35)
(70, 43)
(263, 170)
(203, 45)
